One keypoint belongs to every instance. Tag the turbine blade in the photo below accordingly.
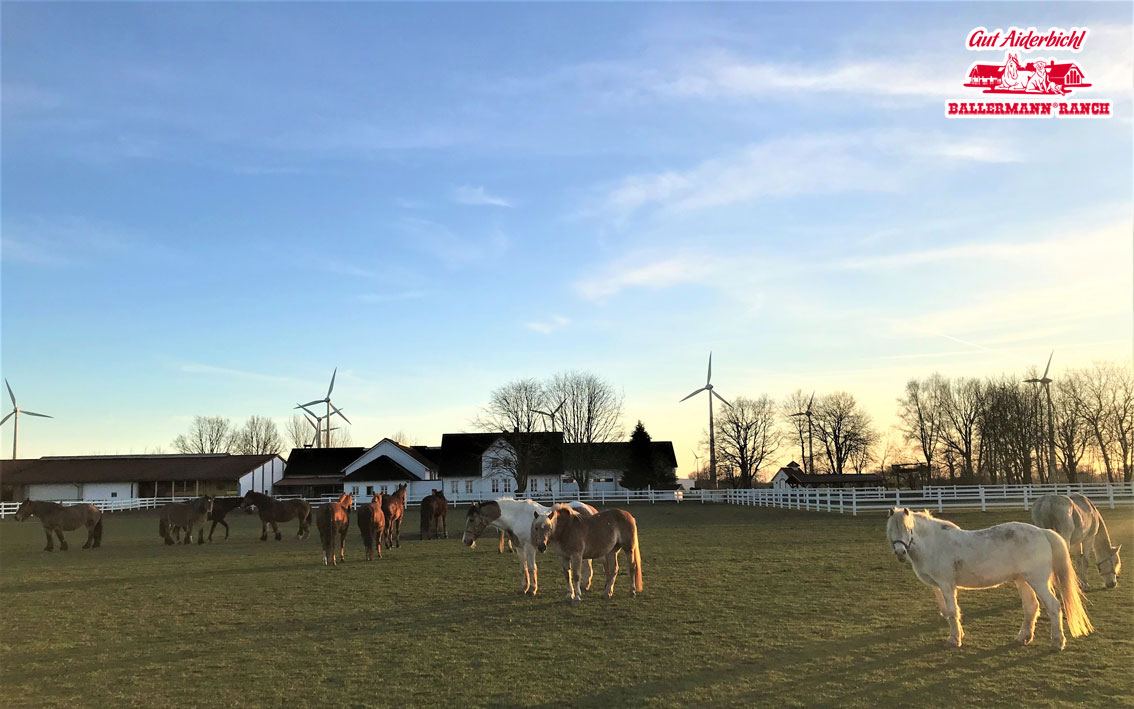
(311, 403)
(561, 403)
(10, 394)
(330, 388)
(709, 376)
(693, 394)
(543, 413)
(1048, 364)
(340, 413)
(810, 401)
(10, 415)
(801, 413)
(304, 407)
(32, 413)
(714, 393)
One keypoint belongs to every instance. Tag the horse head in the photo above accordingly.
(475, 522)
(1111, 567)
(543, 525)
(347, 500)
(899, 530)
(24, 511)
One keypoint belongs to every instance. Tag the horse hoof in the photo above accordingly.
(63, 547)
(1058, 645)
(279, 537)
(575, 601)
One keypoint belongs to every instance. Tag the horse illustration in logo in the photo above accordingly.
(1035, 77)
(1011, 80)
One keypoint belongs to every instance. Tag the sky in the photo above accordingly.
(206, 208)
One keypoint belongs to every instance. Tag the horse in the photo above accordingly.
(57, 518)
(434, 507)
(272, 511)
(574, 537)
(221, 507)
(394, 507)
(514, 518)
(1011, 80)
(946, 558)
(1078, 521)
(372, 523)
(333, 519)
(185, 515)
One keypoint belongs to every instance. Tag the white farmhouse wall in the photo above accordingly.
(54, 491)
(109, 491)
(263, 478)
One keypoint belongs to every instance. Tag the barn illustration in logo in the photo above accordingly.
(1036, 77)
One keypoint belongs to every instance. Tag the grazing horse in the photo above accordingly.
(574, 537)
(272, 511)
(434, 507)
(185, 515)
(221, 507)
(1078, 521)
(333, 519)
(57, 518)
(394, 507)
(946, 558)
(514, 518)
(372, 523)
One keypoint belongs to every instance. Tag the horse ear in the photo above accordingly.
(890, 512)
(535, 515)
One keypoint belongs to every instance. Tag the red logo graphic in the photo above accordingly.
(1036, 77)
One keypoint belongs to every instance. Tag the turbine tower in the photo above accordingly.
(1045, 382)
(551, 414)
(712, 433)
(14, 414)
(330, 407)
(809, 464)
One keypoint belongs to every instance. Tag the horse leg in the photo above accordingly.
(610, 566)
(188, 533)
(535, 571)
(570, 598)
(342, 544)
(213, 529)
(953, 615)
(90, 537)
(588, 573)
(1051, 605)
(1031, 611)
(50, 542)
(276, 530)
(62, 541)
(263, 530)
(398, 534)
(444, 528)
(523, 555)
(576, 573)
(940, 601)
(201, 533)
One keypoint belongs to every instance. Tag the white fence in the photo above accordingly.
(851, 501)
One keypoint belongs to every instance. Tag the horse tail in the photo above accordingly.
(635, 554)
(97, 532)
(162, 527)
(1067, 584)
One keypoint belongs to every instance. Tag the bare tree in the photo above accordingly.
(207, 434)
(746, 437)
(1072, 433)
(962, 405)
(921, 411)
(591, 414)
(1095, 398)
(796, 402)
(1122, 418)
(512, 407)
(843, 428)
(258, 435)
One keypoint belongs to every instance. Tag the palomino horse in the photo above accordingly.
(333, 519)
(221, 507)
(185, 515)
(394, 507)
(1078, 521)
(272, 511)
(514, 518)
(57, 518)
(574, 537)
(434, 508)
(371, 523)
(946, 558)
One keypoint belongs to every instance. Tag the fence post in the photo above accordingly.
(983, 507)
(1026, 497)
(854, 502)
(940, 508)
(897, 497)
(1110, 494)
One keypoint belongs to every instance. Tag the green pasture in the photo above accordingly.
(742, 606)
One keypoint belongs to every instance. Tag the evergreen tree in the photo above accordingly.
(641, 469)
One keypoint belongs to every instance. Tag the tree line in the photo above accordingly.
(257, 435)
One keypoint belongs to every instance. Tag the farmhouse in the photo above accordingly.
(106, 477)
(792, 476)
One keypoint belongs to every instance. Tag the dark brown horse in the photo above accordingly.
(372, 523)
(394, 507)
(221, 507)
(57, 518)
(185, 515)
(272, 511)
(333, 520)
(434, 508)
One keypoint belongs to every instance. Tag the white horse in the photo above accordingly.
(514, 517)
(947, 558)
(1011, 80)
(1078, 521)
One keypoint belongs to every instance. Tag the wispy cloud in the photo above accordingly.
(68, 241)
(453, 250)
(546, 327)
(479, 197)
(641, 270)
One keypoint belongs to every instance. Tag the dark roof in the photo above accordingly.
(805, 479)
(315, 462)
(129, 468)
(461, 453)
(381, 468)
(613, 456)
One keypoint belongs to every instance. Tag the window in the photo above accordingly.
(114, 494)
(468, 486)
(507, 484)
(385, 489)
(453, 487)
(354, 490)
(496, 484)
(369, 490)
(547, 484)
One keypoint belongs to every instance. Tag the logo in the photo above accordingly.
(1040, 85)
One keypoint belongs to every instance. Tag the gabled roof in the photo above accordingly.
(462, 453)
(320, 462)
(129, 468)
(613, 456)
(381, 468)
(806, 479)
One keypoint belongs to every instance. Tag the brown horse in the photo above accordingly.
(221, 507)
(333, 519)
(372, 523)
(185, 515)
(272, 511)
(57, 518)
(394, 507)
(434, 507)
(574, 537)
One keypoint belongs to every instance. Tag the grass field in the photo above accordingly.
(742, 606)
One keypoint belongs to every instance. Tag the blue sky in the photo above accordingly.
(208, 207)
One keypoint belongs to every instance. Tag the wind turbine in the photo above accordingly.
(696, 461)
(1045, 382)
(712, 433)
(551, 414)
(810, 462)
(326, 400)
(14, 414)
